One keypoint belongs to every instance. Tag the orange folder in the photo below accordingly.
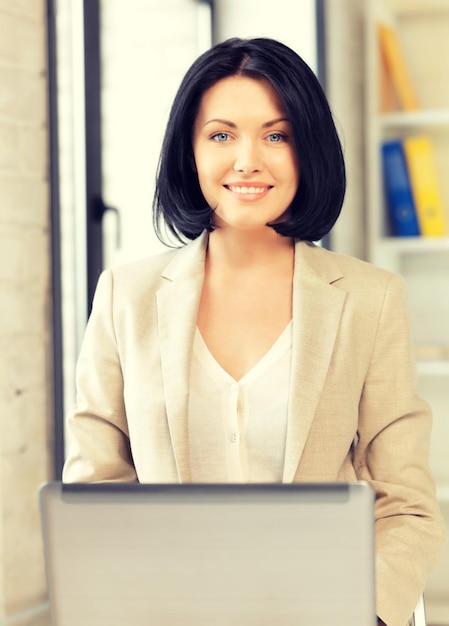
(394, 59)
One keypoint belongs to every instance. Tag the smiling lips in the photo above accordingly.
(249, 191)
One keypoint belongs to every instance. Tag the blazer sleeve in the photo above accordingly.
(392, 454)
(99, 445)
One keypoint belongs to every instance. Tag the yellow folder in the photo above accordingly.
(424, 182)
(397, 68)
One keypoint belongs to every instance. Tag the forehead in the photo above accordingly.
(240, 96)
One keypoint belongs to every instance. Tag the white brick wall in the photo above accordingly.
(25, 373)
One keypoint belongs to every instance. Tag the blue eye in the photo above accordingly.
(277, 137)
(220, 137)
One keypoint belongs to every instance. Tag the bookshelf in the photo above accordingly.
(422, 28)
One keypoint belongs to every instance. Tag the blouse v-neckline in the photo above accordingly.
(277, 349)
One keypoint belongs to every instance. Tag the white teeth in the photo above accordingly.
(248, 190)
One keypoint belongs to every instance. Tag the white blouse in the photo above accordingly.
(237, 429)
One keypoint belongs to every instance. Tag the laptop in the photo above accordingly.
(209, 555)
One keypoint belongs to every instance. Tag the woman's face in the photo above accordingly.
(244, 153)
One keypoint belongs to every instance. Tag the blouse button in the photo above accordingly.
(233, 438)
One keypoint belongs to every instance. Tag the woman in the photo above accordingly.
(252, 354)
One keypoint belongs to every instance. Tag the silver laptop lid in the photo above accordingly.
(209, 555)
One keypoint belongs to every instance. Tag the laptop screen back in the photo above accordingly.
(209, 555)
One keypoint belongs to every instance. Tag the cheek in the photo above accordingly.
(209, 170)
(293, 163)
(205, 174)
(205, 179)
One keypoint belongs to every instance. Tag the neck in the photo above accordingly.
(242, 248)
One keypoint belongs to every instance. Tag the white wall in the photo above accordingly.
(345, 90)
(290, 21)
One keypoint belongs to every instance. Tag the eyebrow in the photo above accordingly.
(233, 125)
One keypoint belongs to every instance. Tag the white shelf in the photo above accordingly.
(418, 7)
(433, 368)
(425, 118)
(414, 244)
(443, 493)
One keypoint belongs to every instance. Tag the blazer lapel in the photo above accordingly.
(177, 306)
(317, 308)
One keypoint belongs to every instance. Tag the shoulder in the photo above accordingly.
(366, 279)
(368, 288)
(149, 274)
(142, 271)
(345, 271)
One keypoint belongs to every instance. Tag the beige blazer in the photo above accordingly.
(354, 410)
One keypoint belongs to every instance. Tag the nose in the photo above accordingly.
(247, 157)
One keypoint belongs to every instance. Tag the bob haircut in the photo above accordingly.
(179, 204)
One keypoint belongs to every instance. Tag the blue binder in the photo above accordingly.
(398, 190)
